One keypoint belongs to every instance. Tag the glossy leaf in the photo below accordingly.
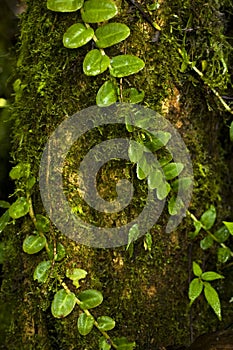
(211, 276)
(197, 269)
(33, 244)
(19, 171)
(105, 323)
(90, 298)
(63, 304)
(111, 34)
(195, 289)
(4, 204)
(42, 223)
(19, 208)
(224, 254)
(163, 190)
(124, 65)
(135, 151)
(85, 324)
(231, 132)
(213, 299)
(222, 234)
(106, 95)
(208, 218)
(4, 219)
(133, 235)
(183, 184)
(60, 252)
(229, 226)
(42, 270)
(123, 344)
(64, 5)
(206, 242)
(77, 35)
(95, 63)
(155, 178)
(198, 226)
(95, 11)
(75, 275)
(175, 205)
(172, 170)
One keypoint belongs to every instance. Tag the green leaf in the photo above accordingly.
(155, 178)
(75, 275)
(172, 170)
(4, 219)
(208, 218)
(4, 204)
(19, 208)
(85, 324)
(206, 242)
(20, 170)
(123, 344)
(30, 182)
(224, 254)
(144, 166)
(222, 234)
(132, 95)
(105, 323)
(63, 304)
(77, 35)
(42, 223)
(64, 5)
(106, 95)
(95, 63)
(175, 204)
(231, 132)
(95, 11)
(148, 242)
(111, 34)
(213, 299)
(124, 65)
(60, 252)
(41, 272)
(183, 184)
(165, 159)
(103, 345)
(158, 140)
(229, 226)
(33, 244)
(195, 289)
(197, 269)
(198, 226)
(211, 276)
(163, 190)
(133, 234)
(135, 151)
(90, 298)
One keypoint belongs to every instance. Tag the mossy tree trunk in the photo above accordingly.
(146, 293)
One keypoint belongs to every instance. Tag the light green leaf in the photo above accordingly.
(206, 242)
(75, 275)
(90, 298)
(135, 151)
(33, 244)
(198, 226)
(208, 218)
(105, 323)
(95, 63)
(213, 299)
(41, 272)
(155, 178)
(163, 190)
(64, 5)
(197, 269)
(124, 65)
(133, 235)
(107, 94)
(224, 254)
(103, 345)
(231, 132)
(175, 205)
(85, 324)
(77, 35)
(4, 204)
(4, 219)
(158, 140)
(111, 34)
(123, 344)
(19, 208)
(172, 170)
(195, 289)
(144, 165)
(222, 234)
(183, 184)
(60, 252)
(229, 226)
(63, 304)
(42, 223)
(211, 276)
(95, 11)
(19, 171)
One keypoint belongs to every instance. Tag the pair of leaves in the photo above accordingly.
(207, 220)
(86, 322)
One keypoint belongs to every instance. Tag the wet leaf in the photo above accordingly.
(124, 65)
(95, 11)
(208, 218)
(64, 5)
(222, 234)
(213, 299)
(60, 252)
(195, 289)
(175, 205)
(95, 63)
(42, 223)
(224, 254)
(33, 244)
(229, 226)
(163, 190)
(182, 184)
(77, 35)
(132, 95)
(63, 304)
(111, 34)
(107, 94)
(85, 324)
(123, 344)
(155, 178)
(90, 298)
(158, 140)
(206, 242)
(19, 208)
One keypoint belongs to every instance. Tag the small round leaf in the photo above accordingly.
(19, 208)
(105, 323)
(90, 298)
(41, 272)
(172, 170)
(107, 94)
(33, 244)
(64, 5)
(77, 35)
(208, 217)
(63, 304)
(95, 63)
(85, 324)
(111, 34)
(124, 65)
(42, 223)
(95, 11)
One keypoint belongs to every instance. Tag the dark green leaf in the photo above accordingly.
(144, 165)
(20, 170)
(105, 323)
(158, 140)
(33, 244)
(195, 289)
(135, 151)
(90, 298)
(206, 242)
(155, 178)
(42, 223)
(85, 324)
(95, 63)
(211, 276)
(4, 204)
(63, 304)
(19, 208)
(60, 252)
(64, 5)
(163, 190)
(111, 34)
(75, 275)
(224, 254)
(107, 94)
(30, 182)
(95, 11)
(197, 269)
(213, 299)
(172, 170)
(222, 234)
(124, 65)
(103, 345)
(77, 35)
(41, 272)
(132, 95)
(208, 218)
(133, 234)
(231, 132)
(4, 219)
(165, 159)
(175, 205)
(229, 226)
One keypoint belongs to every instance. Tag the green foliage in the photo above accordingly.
(90, 299)
(111, 34)
(85, 323)
(77, 35)
(4, 219)
(19, 208)
(106, 95)
(33, 244)
(96, 11)
(63, 304)
(64, 5)
(208, 218)
(124, 65)
(105, 323)
(76, 275)
(42, 270)
(95, 62)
